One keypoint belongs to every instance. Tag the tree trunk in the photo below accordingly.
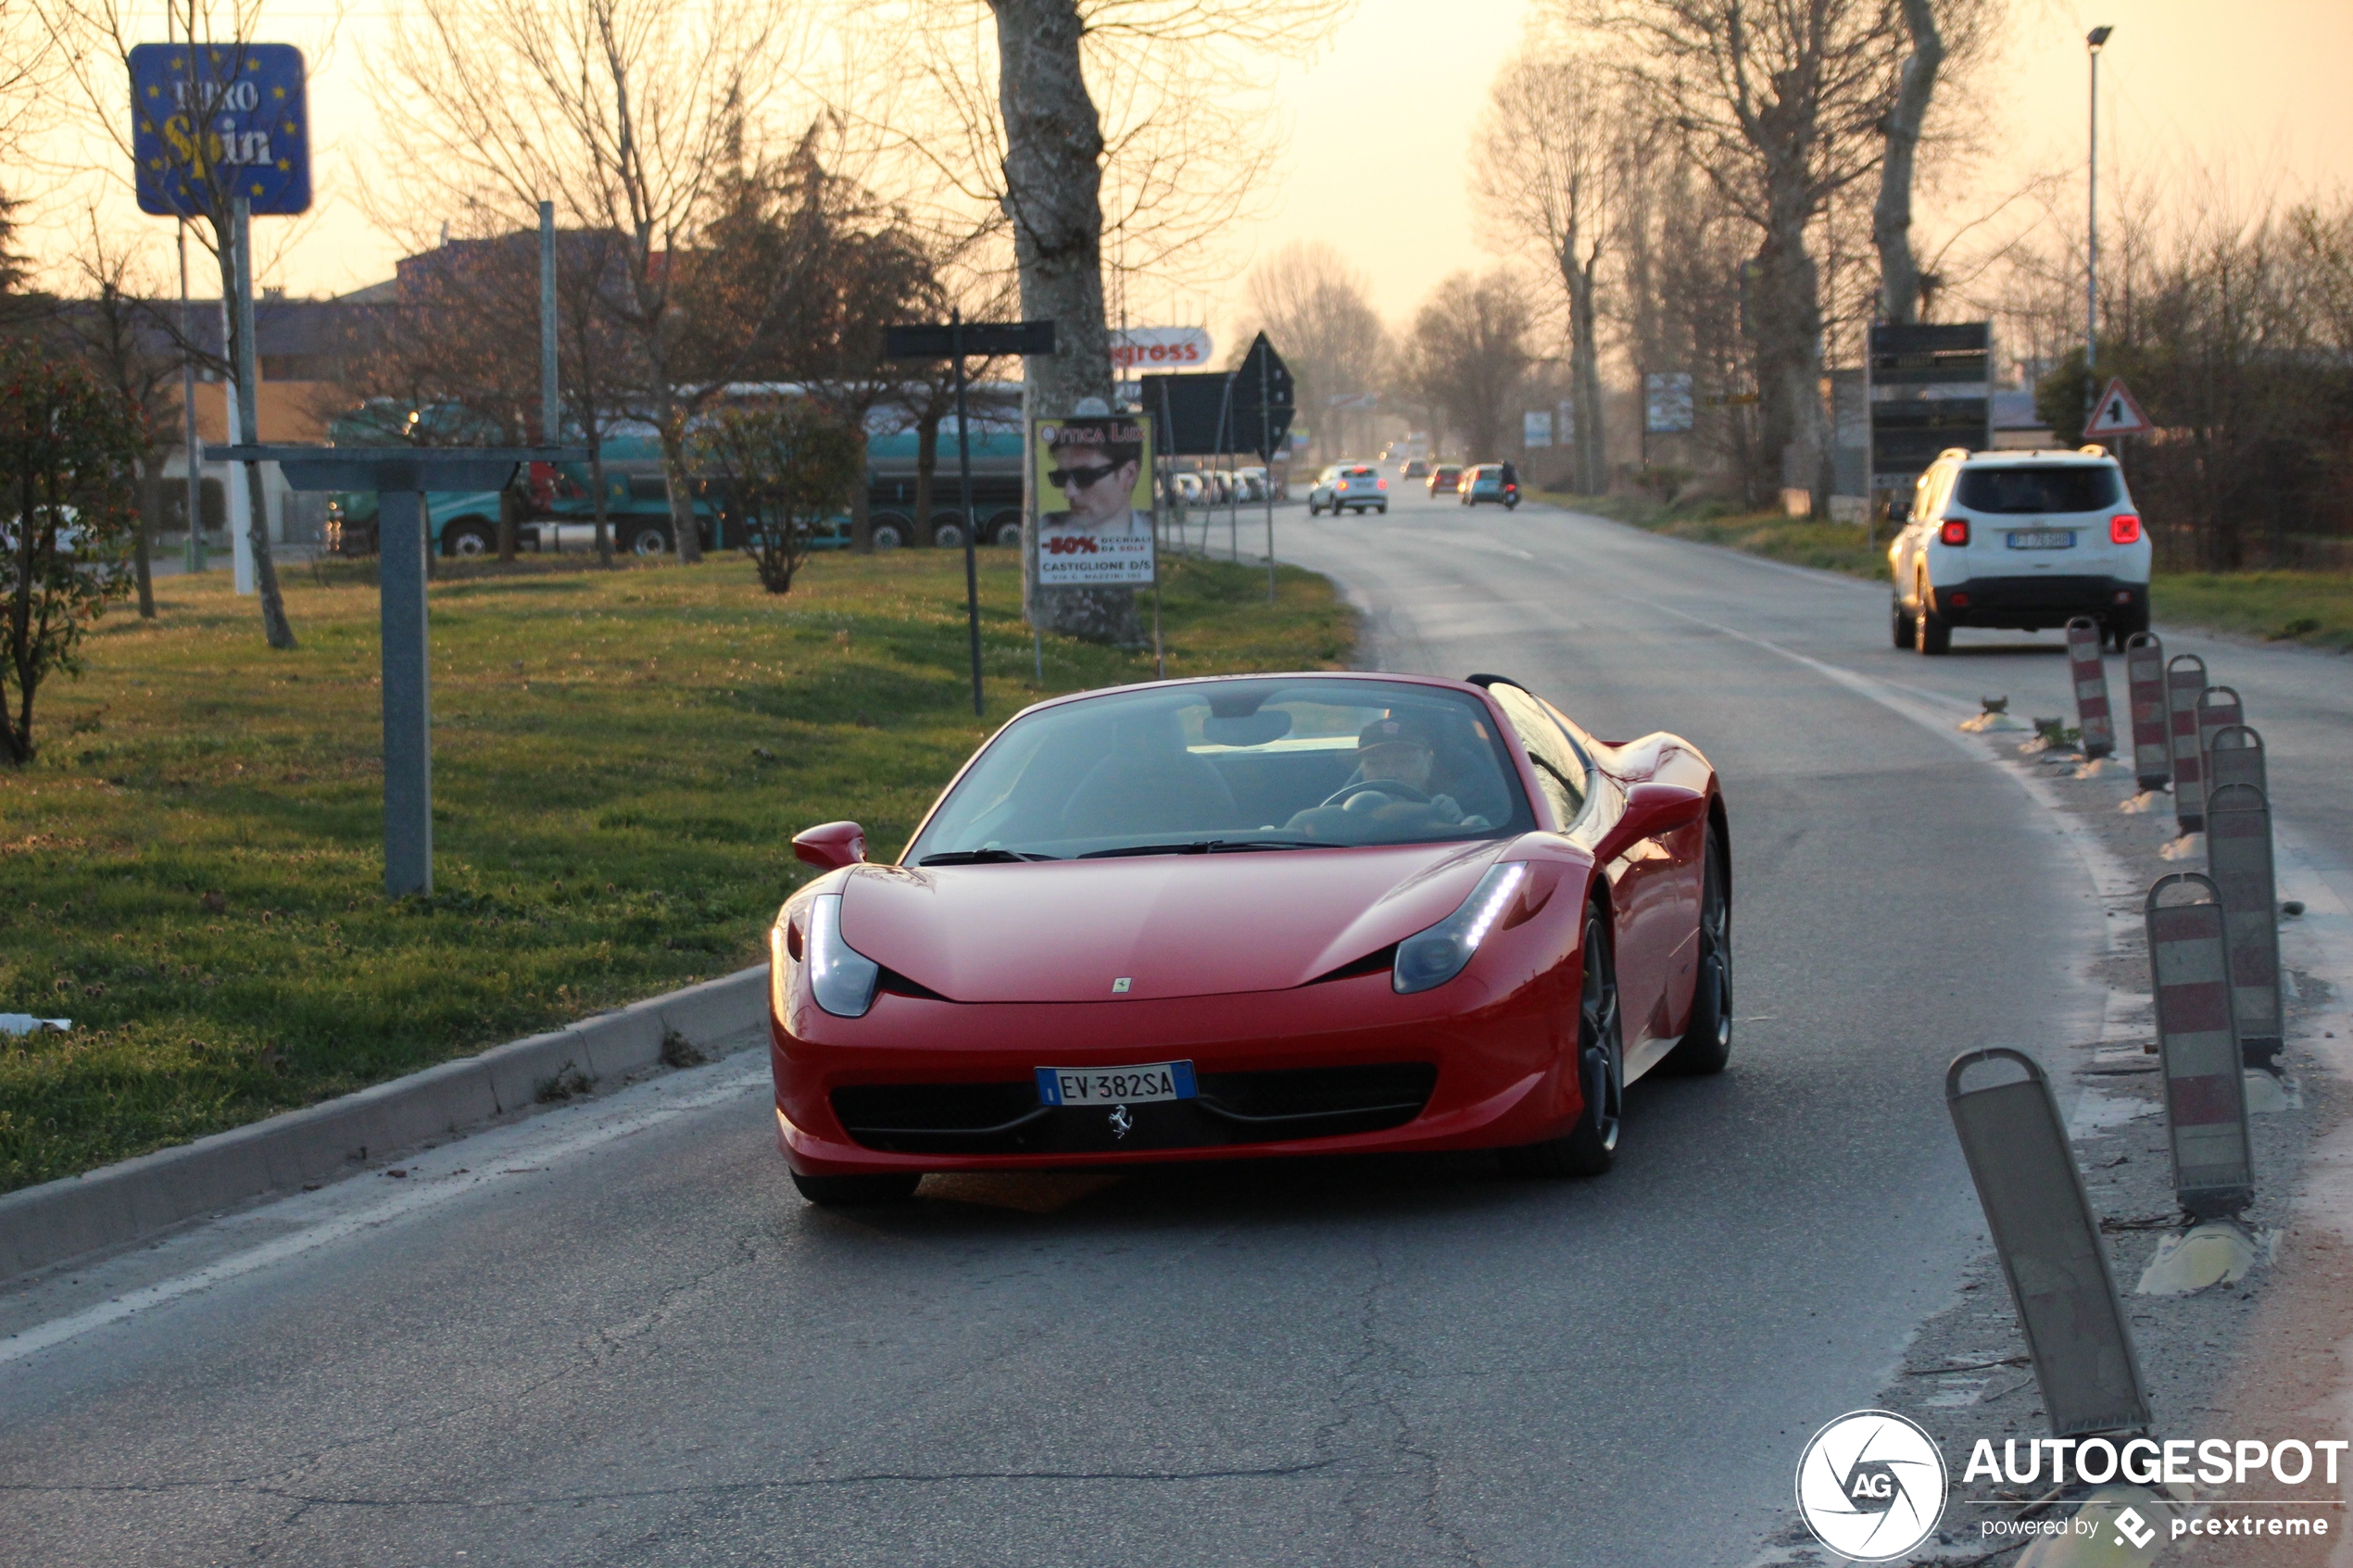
(1899, 273)
(1788, 344)
(509, 521)
(685, 535)
(927, 466)
(1053, 185)
(1584, 370)
(150, 503)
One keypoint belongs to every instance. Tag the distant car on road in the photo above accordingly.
(1414, 468)
(1444, 478)
(1257, 916)
(2022, 540)
(1355, 487)
(1492, 482)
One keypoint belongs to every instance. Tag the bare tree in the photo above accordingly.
(1317, 311)
(1470, 342)
(628, 114)
(1558, 146)
(1782, 103)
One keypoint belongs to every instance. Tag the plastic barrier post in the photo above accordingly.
(2090, 671)
(2235, 755)
(2217, 708)
(2145, 678)
(2185, 679)
(2049, 1242)
(2238, 858)
(2197, 1040)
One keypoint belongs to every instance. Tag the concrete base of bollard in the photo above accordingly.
(2216, 1252)
(2268, 1094)
(2189, 846)
(2145, 801)
(2100, 768)
(2127, 1527)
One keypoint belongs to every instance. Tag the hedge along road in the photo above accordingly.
(644, 1349)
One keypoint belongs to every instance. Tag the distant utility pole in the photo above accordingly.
(2092, 42)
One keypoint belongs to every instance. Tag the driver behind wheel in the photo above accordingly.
(1395, 756)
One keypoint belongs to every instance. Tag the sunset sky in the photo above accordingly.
(1380, 127)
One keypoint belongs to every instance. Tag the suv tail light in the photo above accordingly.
(1954, 532)
(2124, 528)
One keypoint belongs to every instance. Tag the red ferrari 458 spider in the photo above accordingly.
(1254, 916)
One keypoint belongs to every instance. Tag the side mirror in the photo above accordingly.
(831, 845)
(1651, 809)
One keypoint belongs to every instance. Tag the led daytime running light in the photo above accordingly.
(1429, 959)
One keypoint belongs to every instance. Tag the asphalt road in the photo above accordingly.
(619, 1338)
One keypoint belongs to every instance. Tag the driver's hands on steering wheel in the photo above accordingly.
(1393, 789)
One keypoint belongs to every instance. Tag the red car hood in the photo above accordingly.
(1170, 925)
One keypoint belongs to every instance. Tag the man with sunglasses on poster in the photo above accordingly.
(1100, 536)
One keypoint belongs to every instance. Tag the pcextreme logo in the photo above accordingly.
(1871, 1485)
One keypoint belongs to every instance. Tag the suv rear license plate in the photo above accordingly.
(2044, 539)
(1116, 1085)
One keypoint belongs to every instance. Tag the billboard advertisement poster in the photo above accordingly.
(1094, 480)
(1667, 402)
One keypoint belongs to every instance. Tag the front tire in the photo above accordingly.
(857, 1192)
(1706, 1045)
(1591, 1145)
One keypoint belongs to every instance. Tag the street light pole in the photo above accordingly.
(2093, 41)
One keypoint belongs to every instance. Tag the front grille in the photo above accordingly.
(1232, 1108)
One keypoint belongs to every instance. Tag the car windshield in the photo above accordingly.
(1232, 765)
(2049, 487)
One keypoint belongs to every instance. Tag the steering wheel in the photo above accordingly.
(1391, 788)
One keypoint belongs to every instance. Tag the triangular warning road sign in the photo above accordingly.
(2117, 414)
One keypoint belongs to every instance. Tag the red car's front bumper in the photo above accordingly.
(1499, 1055)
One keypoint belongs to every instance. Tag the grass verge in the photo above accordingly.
(192, 868)
(2315, 608)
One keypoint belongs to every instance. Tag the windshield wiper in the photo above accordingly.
(979, 858)
(1208, 847)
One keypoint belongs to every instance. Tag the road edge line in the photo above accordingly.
(120, 1204)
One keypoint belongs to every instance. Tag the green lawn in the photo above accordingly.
(192, 870)
(2306, 607)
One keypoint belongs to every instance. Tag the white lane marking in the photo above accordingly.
(409, 1199)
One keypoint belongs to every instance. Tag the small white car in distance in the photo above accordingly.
(2022, 540)
(1355, 487)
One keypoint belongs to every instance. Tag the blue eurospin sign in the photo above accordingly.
(214, 121)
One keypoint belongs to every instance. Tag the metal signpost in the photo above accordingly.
(2198, 1041)
(1263, 408)
(2049, 1241)
(2145, 679)
(2098, 729)
(400, 475)
(957, 339)
(2185, 679)
(2238, 861)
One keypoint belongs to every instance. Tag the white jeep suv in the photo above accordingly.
(2019, 539)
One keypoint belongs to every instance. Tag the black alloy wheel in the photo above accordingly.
(857, 1192)
(1706, 1045)
(1592, 1143)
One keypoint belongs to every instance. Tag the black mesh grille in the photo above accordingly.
(1232, 1108)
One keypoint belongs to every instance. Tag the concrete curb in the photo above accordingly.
(124, 1203)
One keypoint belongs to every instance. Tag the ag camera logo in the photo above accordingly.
(1871, 1485)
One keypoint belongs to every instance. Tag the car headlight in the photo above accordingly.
(1431, 958)
(840, 977)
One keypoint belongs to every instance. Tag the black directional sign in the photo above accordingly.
(1261, 399)
(1213, 413)
(1930, 388)
(945, 340)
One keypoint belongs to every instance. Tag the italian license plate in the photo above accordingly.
(1116, 1085)
(2044, 539)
